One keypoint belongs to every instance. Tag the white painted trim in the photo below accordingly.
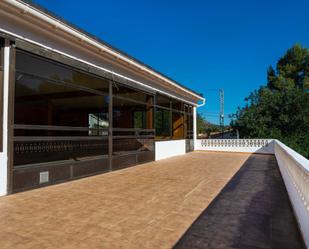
(3, 155)
(68, 29)
(194, 127)
(170, 148)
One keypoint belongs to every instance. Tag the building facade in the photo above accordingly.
(73, 106)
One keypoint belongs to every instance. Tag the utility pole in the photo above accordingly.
(221, 114)
(221, 121)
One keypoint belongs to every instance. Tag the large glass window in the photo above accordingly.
(163, 101)
(132, 121)
(188, 121)
(40, 102)
(43, 68)
(175, 122)
(60, 113)
(178, 125)
(163, 123)
(177, 105)
(130, 114)
(121, 91)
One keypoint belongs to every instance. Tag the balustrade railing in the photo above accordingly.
(294, 169)
(236, 145)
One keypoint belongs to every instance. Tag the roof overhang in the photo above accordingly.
(61, 26)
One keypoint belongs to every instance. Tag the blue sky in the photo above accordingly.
(202, 44)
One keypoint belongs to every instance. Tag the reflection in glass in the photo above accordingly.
(162, 123)
(177, 105)
(61, 114)
(163, 101)
(38, 102)
(130, 114)
(44, 68)
(129, 145)
(122, 91)
(178, 126)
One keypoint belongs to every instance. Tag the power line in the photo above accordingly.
(221, 114)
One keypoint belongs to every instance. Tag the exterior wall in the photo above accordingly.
(294, 169)
(26, 27)
(4, 154)
(166, 149)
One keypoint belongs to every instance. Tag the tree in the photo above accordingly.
(205, 127)
(200, 123)
(281, 108)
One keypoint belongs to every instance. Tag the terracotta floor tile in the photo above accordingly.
(146, 206)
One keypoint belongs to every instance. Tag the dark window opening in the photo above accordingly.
(163, 123)
(163, 101)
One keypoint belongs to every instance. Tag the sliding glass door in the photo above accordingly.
(61, 120)
(133, 133)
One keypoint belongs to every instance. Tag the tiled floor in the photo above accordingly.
(147, 206)
(251, 212)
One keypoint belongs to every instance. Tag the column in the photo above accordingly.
(194, 128)
(4, 153)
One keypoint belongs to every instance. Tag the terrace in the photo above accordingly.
(198, 200)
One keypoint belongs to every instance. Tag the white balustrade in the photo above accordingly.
(236, 145)
(294, 169)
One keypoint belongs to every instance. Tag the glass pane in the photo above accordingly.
(130, 93)
(129, 114)
(178, 127)
(162, 123)
(190, 126)
(177, 105)
(163, 101)
(30, 152)
(35, 65)
(139, 119)
(129, 145)
(38, 102)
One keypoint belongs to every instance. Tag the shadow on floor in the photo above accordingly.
(252, 211)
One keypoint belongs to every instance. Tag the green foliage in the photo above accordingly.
(205, 127)
(200, 124)
(281, 109)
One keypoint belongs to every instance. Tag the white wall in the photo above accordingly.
(166, 149)
(294, 169)
(3, 155)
